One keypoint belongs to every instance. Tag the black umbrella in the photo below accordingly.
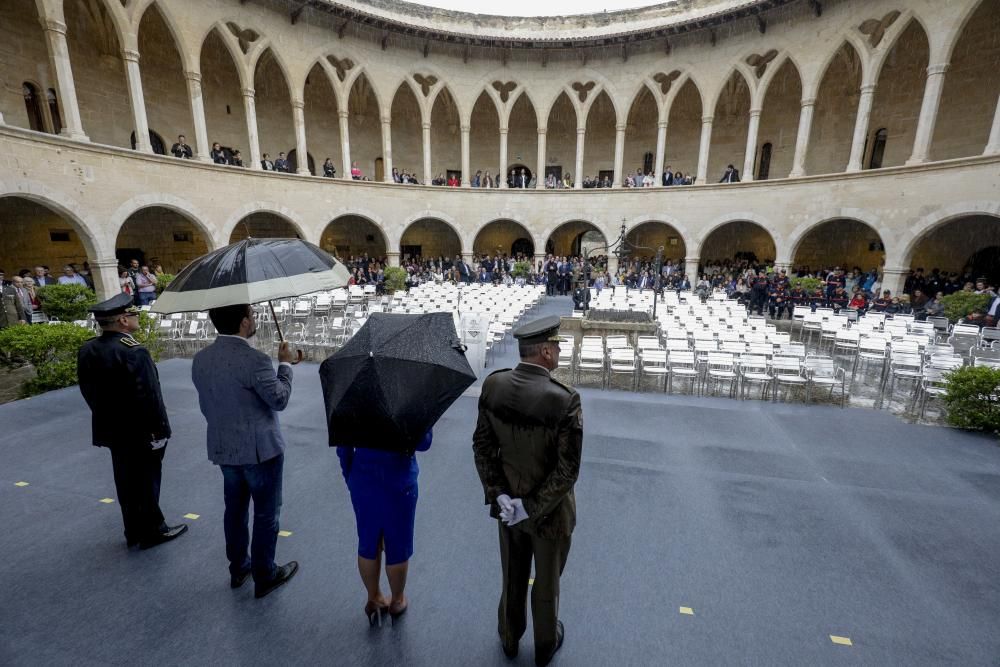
(252, 271)
(393, 380)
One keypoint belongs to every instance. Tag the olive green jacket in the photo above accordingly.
(528, 443)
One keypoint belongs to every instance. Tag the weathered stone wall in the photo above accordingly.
(25, 228)
(843, 243)
(164, 236)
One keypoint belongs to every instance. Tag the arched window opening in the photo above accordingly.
(878, 148)
(155, 140)
(33, 105)
(764, 168)
(57, 124)
(647, 163)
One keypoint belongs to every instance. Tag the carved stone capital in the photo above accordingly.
(193, 77)
(130, 55)
(52, 25)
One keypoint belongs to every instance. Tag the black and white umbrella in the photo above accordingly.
(252, 271)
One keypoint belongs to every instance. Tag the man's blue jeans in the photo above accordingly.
(262, 483)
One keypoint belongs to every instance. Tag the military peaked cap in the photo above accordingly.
(116, 305)
(545, 329)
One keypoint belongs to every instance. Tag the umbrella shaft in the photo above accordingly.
(276, 325)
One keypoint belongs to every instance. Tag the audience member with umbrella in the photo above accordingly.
(384, 390)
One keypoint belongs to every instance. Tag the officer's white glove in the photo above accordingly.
(517, 513)
(506, 508)
(160, 444)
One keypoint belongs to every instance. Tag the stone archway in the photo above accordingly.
(353, 236)
(160, 236)
(841, 242)
(647, 237)
(430, 237)
(264, 225)
(504, 237)
(35, 235)
(959, 245)
(737, 240)
(570, 238)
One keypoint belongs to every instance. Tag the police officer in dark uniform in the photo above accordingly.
(527, 445)
(119, 381)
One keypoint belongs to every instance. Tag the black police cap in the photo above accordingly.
(545, 329)
(116, 305)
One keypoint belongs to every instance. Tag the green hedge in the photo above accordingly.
(973, 398)
(162, 281)
(395, 279)
(66, 303)
(808, 284)
(960, 304)
(50, 348)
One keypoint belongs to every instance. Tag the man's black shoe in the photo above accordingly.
(170, 533)
(509, 650)
(560, 634)
(285, 572)
(237, 580)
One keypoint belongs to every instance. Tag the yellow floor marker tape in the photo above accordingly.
(845, 641)
(284, 533)
(20, 484)
(531, 582)
(107, 501)
(191, 516)
(687, 610)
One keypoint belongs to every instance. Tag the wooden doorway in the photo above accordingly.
(379, 170)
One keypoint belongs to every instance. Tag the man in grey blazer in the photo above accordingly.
(240, 395)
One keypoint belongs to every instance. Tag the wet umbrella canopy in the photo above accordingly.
(252, 271)
(393, 380)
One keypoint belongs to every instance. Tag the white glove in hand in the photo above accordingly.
(518, 513)
(506, 508)
(160, 444)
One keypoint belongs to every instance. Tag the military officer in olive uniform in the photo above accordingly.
(527, 447)
(119, 381)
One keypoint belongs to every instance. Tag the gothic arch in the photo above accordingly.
(94, 242)
(907, 242)
(162, 200)
(740, 216)
(291, 217)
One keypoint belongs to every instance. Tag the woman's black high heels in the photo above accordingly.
(374, 613)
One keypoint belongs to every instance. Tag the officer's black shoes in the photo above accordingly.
(560, 634)
(172, 532)
(237, 580)
(285, 572)
(509, 650)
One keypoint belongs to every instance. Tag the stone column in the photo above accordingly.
(928, 113)
(619, 156)
(428, 176)
(135, 96)
(661, 148)
(893, 279)
(299, 121)
(993, 145)
(1, 118)
(387, 149)
(540, 162)
(581, 135)
(104, 271)
(861, 127)
(782, 266)
(612, 265)
(502, 176)
(802, 140)
(345, 142)
(691, 269)
(55, 38)
(751, 153)
(706, 143)
(201, 146)
(250, 105)
(466, 168)
(538, 259)
(393, 258)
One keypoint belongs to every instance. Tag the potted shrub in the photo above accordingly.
(395, 279)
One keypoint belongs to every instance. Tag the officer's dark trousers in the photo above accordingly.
(137, 481)
(517, 548)
(262, 483)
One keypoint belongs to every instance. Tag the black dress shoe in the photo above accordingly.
(560, 634)
(509, 650)
(171, 533)
(285, 572)
(237, 580)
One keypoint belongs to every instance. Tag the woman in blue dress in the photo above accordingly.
(383, 488)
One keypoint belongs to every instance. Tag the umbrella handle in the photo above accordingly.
(274, 317)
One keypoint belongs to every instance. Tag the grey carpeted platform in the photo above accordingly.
(778, 525)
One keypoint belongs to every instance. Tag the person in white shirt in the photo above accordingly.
(71, 277)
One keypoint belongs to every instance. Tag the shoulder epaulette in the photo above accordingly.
(563, 385)
(128, 341)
